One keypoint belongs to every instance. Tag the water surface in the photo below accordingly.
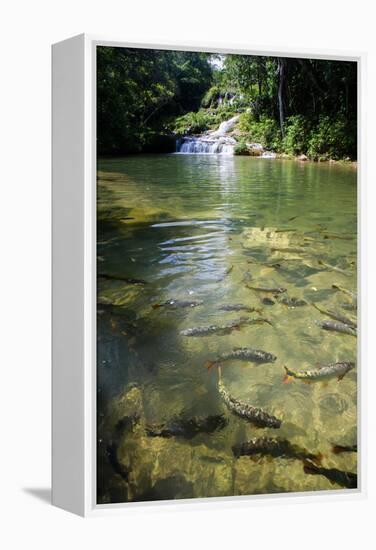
(199, 228)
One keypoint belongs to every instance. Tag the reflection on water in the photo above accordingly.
(178, 230)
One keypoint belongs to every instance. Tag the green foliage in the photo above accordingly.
(296, 136)
(139, 90)
(211, 96)
(193, 123)
(264, 131)
(146, 95)
(200, 121)
(241, 148)
(332, 139)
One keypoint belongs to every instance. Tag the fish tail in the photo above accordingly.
(156, 306)
(310, 468)
(288, 376)
(319, 458)
(210, 364)
(337, 449)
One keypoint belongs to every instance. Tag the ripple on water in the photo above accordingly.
(333, 404)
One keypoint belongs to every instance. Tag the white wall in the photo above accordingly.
(28, 29)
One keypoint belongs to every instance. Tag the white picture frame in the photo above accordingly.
(74, 277)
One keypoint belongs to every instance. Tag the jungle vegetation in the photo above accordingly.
(146, 98)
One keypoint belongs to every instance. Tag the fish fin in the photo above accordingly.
(156, 306)
(287, 378)
(319, 458)
(210, 364)
(309, 467)
(340, 377)
(337, 449)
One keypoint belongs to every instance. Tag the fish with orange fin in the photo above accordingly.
(223, 329)
(242, 354)
(344, 479)
(322, 374)
(274, 447)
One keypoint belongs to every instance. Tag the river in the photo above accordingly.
(203, 229)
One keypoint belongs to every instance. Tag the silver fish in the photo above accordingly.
(255, 415)
(336, 315)
(222, 329)
(333, 370)
(337, 327)
(243, 354)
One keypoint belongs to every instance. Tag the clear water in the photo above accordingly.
(201, 227)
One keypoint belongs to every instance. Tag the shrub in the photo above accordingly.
(296, 136)
(265, 131)
(202, 120)
(241, 148)
(211, 96)
(332, 139)
(192, 123)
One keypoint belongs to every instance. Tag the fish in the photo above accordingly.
(342, 237)
(293, 302)
(242, 354)
(128, 280)
(335, 315)
(333, 370)
(334, 268)
(239, 307)
(188, 427)
(271, 290)
(348, 293)
(273, 264)
(349, 306)
(178, 304)
(285, 230)
(255, 415)
(222, 329)
(337, 327)
(275, 447)
(268, 301)
(344, 479)
(337, 449)
(289, 249)
(227, 272)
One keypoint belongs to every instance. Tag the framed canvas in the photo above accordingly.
(207, 296)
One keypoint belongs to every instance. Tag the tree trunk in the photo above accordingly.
(281, 74)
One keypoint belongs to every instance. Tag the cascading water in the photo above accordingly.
(210, 143)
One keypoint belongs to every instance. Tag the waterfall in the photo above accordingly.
(211, 142)
(205, 146)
